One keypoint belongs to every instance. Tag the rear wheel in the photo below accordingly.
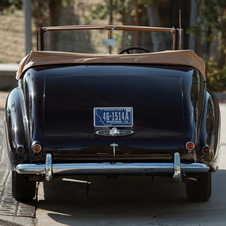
(199, 191)
(22, 189)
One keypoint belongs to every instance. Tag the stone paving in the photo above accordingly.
(11, 211)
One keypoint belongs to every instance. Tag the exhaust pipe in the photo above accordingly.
(190, 179)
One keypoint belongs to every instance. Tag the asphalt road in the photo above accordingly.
(125, 201)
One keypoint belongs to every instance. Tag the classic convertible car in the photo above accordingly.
(105, 104)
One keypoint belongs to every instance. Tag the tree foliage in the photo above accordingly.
(215, 13)
(124, 8)
(107, 7)
(215, 78)
(5, 4)
(212, 24)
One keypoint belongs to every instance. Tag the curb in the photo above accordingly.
(12, 221)
(7, 76)
(221, 96)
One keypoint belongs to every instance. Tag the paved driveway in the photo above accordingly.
(132, 200)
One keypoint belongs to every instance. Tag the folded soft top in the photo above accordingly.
(174, 57)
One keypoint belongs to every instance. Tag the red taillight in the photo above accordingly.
(36, 147)
(205, 149)
(190, 146)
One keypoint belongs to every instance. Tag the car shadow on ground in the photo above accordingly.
(128, 200)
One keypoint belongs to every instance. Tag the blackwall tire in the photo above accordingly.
(199, 191)
(22, 189)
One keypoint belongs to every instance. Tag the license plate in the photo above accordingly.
(113, 116)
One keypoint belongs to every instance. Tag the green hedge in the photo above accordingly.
(215, 78)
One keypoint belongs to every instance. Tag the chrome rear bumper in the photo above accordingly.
(49, 168)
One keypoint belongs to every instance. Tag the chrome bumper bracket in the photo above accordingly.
(48, 167)
(176, 166)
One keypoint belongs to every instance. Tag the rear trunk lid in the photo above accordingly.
(153, 95)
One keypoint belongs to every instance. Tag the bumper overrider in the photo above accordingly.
(49, 169)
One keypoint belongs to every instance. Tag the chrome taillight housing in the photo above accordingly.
(36, 147)
(190, 146)
(206, 149)
(20, 149)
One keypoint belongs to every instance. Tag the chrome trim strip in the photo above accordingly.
(176, 166)
(114, 132)
(111, 168)
(48, 167)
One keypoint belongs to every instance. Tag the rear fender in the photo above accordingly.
(16, 129)
(210, 132)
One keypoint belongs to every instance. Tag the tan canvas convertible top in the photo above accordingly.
(174, 57)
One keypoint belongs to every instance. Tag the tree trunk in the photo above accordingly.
(154, 21)
(53, 11)
(136, 23)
